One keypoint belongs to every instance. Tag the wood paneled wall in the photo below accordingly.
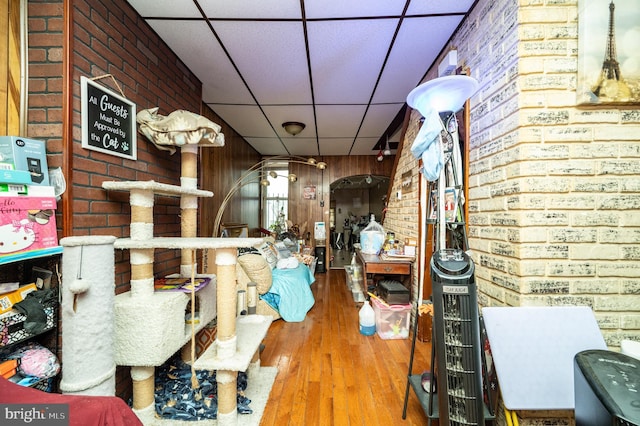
(303, 211)
(220, 168)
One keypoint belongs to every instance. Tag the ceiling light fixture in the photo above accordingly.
(293, 127)
(387, 150)
(380, 156)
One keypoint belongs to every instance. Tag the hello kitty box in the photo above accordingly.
(27, 224)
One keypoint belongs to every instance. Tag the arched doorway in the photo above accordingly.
(353, 200)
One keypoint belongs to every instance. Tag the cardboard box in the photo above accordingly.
(410, 246)
(16, 177)
(425, 326)
(29, 155)
(15, 189)
(7, 300)
(410, 250)
(27, 224)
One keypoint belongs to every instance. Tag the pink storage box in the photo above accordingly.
(392, 321)
(27, 224)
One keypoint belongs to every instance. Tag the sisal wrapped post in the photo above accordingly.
(188, 226)
(188, 203)
(143, 386)
(226, 303)
(141, 227)
(141, 261)
(227, 395)
(189, 161)
(189, 216)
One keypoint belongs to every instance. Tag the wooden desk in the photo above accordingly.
(374, 264)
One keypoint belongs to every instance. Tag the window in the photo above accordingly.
(275, 195)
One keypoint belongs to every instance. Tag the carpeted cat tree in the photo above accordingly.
(143, 328)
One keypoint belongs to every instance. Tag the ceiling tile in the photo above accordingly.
(377, 119)
(206, 59)
(301, 146)
(252, 9)
(247, 120)
(335, 146)
(267, 146)
(302, 113)
(338, 120)
(346, 57)
(263, 58)
(365, 146)
(411, 56)
(272, 58)
(319, 9)
(439, 6)
(166, 8)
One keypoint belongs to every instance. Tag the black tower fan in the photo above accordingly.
(457, 339)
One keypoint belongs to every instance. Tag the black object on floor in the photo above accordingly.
(321, 254)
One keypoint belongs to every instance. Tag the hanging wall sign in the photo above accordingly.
(309, 192)
(108, 121)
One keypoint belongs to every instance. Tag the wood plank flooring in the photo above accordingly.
(330, 374)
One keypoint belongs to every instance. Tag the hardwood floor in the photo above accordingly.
(330, 374)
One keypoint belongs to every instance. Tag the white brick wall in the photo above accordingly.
(554, 189)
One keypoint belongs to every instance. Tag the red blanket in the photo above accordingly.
(83, 410)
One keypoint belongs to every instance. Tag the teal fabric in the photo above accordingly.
(290, 293)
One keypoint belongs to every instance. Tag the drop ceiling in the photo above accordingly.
(343, 68)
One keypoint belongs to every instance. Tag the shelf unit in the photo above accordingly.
(29, 255)
(48, 259)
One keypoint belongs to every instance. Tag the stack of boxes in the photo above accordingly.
(27, 201)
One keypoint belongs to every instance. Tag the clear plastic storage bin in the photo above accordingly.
(392, 321)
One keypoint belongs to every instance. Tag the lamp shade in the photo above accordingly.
(442, 94)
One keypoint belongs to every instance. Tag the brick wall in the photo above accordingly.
(553, 186)
(554, 189)
(133, 61)
(402, 213)
(109, 39)
(44, 116)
